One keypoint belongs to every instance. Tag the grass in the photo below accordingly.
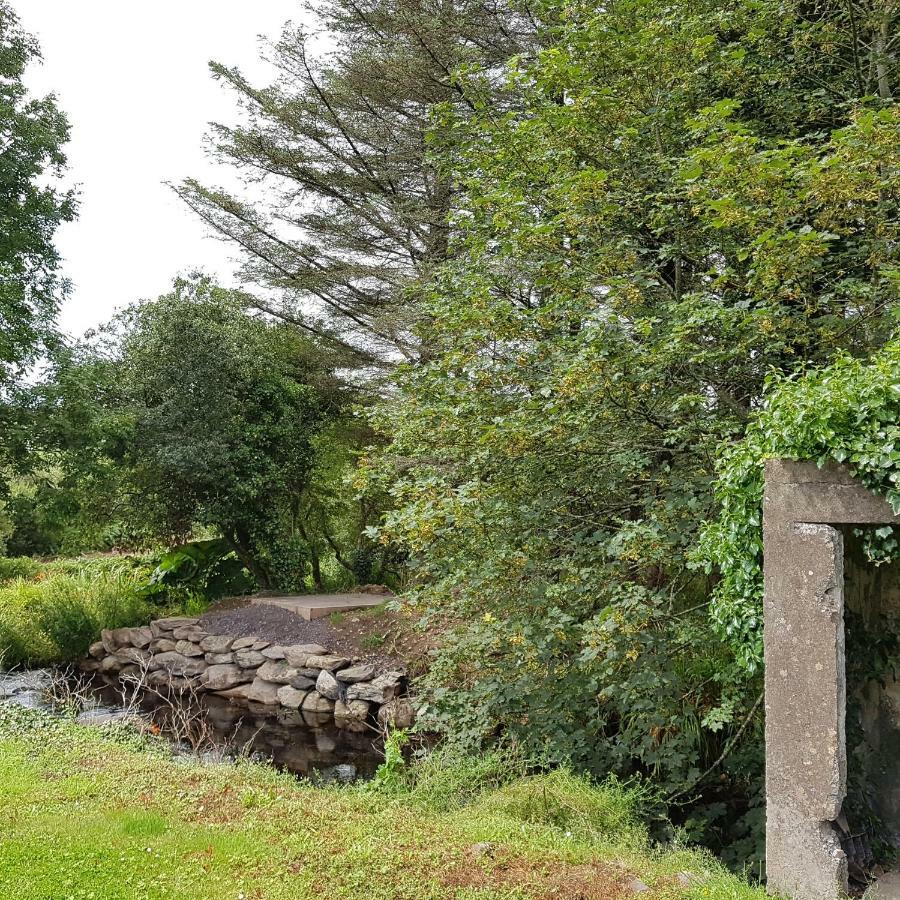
(101, 813)
(51, 612)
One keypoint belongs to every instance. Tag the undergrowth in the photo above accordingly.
(51, 612)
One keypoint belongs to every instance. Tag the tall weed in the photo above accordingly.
(56, 614)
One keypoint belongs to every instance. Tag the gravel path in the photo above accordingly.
(280, 626)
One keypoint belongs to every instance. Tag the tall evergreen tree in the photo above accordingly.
(355, 212)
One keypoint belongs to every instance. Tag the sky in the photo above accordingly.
(133, 80)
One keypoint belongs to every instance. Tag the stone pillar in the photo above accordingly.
(806, 764)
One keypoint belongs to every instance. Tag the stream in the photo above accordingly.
(210, 728)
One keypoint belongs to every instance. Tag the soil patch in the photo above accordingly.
(542, 879)
(380, 636)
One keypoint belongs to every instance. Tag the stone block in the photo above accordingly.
(382, 689)
(264, 692)
(188, 648)
(363, 672)
(162, 645)
(223, 677)
(298, 654)
(279, 671)
(291, 697)
(352, 715)
(249, 659)
(216, 643)
(331, 663)
(141, 637)
(327, 685)
(219, 659)
(396, 713)
(189, 633)
(177, 664)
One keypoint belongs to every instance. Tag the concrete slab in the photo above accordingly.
(317, 606)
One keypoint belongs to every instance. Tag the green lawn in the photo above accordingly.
(102, 813)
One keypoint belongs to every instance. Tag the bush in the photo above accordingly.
(17, 567)
(56, 614)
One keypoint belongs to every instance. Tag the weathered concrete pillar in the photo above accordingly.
(806, 755)
(806, 763)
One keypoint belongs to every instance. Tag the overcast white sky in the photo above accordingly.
(133, 80)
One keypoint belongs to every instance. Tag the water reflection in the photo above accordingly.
(211, 727)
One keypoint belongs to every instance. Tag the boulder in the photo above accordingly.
(187, 648)
(263, 692)
(216, 643)
(363, 672)
(278, 671)
(223, 677)
(189, 633)
(396, 713)
(274, 651)
(140, 637)
(259, 645)
(351, 715)
(132, 656)
(249, 659)
(162, 645)
(110, 664)
(177, 664)
(291, 697)
(219, 659)
(330, 663)
(297, 654)
(303, 682)
(327, 685)
(97, 650)
(382, 689)
(243, 643)
(90, 665)
(318, 711)
(115, 638)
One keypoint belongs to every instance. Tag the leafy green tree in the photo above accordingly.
(681, 198)
(32, 206)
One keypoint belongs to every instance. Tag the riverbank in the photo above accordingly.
(105, 813)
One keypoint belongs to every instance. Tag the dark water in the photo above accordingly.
(214, 728)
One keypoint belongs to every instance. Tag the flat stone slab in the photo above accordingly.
(317, 606)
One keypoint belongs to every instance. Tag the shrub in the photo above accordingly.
(17, 567)
(54, 616)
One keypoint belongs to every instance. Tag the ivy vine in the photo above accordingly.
(846, 413)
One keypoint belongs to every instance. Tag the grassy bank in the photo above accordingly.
(51, 612)
(103, 814)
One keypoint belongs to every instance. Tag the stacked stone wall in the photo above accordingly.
(178, 654)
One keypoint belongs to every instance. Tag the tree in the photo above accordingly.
(674, 207)
(32, 206)
(354, 213)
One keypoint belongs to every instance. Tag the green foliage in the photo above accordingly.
(186, 417)
(34, 132)
(17, 567)
(209, 568)
(53, 612)
(658, 208)
(848, 413)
